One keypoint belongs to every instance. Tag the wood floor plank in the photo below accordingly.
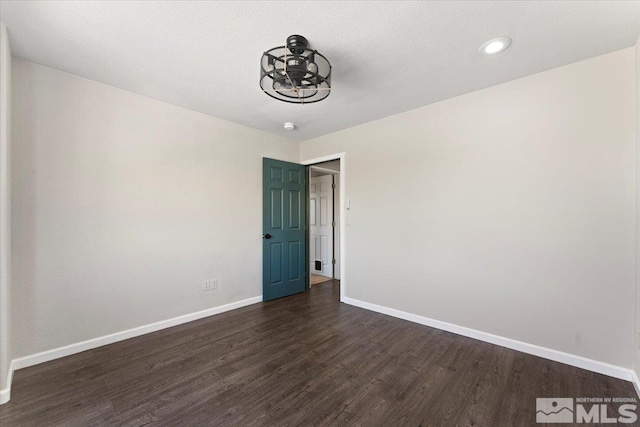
(302, 360)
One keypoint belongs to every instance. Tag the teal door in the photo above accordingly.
(284, 239)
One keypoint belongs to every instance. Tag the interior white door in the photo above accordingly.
(321, 225)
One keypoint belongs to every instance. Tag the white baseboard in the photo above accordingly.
(5, 393)
(46, 356)
(636, 383)
(547, 353)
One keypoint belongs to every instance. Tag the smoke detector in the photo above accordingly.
(289, 126)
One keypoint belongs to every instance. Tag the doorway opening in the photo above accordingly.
(286, 254)
(324, 222)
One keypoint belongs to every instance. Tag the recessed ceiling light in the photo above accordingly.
(289, 126)
(494, 46)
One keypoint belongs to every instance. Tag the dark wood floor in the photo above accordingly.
(302, 360)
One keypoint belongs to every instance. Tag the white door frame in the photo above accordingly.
(343, 213)
(326, 231)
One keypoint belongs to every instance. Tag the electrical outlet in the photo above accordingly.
(214, 284)
(206, 285)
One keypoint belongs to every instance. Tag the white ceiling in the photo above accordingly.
(387, 57)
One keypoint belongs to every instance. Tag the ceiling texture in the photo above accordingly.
(387, 57)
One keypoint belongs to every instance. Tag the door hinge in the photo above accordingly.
(333, 186)
(333, 223)
(333, 261)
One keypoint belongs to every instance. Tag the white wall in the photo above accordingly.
(334, 165)
(508, 210)
(5, 210)
(636, 338)
(123, 205)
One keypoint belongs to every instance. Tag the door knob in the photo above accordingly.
(266, 236)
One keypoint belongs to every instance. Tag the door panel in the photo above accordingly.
(324, 211)
(294, 260)
(284, 238)
(276, 208)
(321, 224)
(295, 221)
(312, 211)
(275, 254)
